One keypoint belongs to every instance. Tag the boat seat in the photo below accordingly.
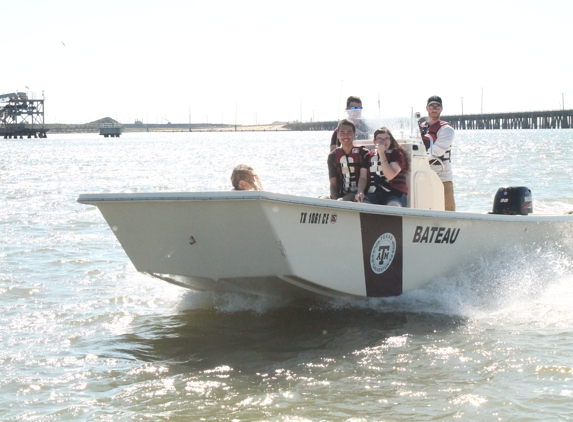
(425, 189)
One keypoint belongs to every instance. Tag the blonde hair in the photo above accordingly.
(248, 174)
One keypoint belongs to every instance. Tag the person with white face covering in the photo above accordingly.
(354, 112)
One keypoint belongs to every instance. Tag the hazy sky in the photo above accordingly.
(164, 60)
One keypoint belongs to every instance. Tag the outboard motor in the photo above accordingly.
(513, 200)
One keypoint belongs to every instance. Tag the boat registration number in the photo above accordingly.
(317, 218)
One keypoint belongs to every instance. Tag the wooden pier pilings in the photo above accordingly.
(553, 119)
(556, 119)
(21, 131)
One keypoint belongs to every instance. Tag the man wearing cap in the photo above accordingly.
(354, 111)
(438, 137)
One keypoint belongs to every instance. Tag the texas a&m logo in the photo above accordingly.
(382, 253)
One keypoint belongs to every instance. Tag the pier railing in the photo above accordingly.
(552, 119)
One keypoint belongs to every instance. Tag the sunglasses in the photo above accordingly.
(355, 108)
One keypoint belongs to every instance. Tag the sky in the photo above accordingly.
(257, 62)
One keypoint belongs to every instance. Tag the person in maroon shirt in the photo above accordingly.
(347, 166)
(388, 169)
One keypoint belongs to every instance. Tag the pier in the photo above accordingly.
(549, 119)
(330, 126)
(110, 129)
(21, 116)
(554, 119)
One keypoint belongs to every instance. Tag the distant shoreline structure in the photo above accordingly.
(127, 128)
(562, 119)
(190, 127)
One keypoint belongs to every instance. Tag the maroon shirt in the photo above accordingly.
(379, 181)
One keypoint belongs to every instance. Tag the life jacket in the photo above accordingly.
(379, 181)
(431, 133)
(348, 167)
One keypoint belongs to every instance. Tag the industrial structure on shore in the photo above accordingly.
(21, 115)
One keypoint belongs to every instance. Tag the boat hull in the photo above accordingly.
(273, 244)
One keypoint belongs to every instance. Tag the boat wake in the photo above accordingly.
(517, 287)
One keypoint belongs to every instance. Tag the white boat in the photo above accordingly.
(267, 243)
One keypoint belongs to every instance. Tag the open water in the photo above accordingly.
(86, 337)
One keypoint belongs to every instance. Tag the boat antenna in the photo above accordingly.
(339, 97)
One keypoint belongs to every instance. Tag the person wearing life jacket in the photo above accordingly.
(388, 169)
(347, 166)
(354, 112)
(438, 137)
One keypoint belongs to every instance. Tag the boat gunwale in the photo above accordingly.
(94, 199)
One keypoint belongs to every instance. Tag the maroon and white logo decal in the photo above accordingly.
(383, 253)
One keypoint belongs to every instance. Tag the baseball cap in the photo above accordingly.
(434, 99)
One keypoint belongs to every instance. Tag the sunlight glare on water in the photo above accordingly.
(86, 337)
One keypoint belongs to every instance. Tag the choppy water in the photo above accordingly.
(85, 337)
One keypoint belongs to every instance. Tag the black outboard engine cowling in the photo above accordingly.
(513, 200)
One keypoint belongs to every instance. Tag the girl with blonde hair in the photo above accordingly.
(244, 177)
